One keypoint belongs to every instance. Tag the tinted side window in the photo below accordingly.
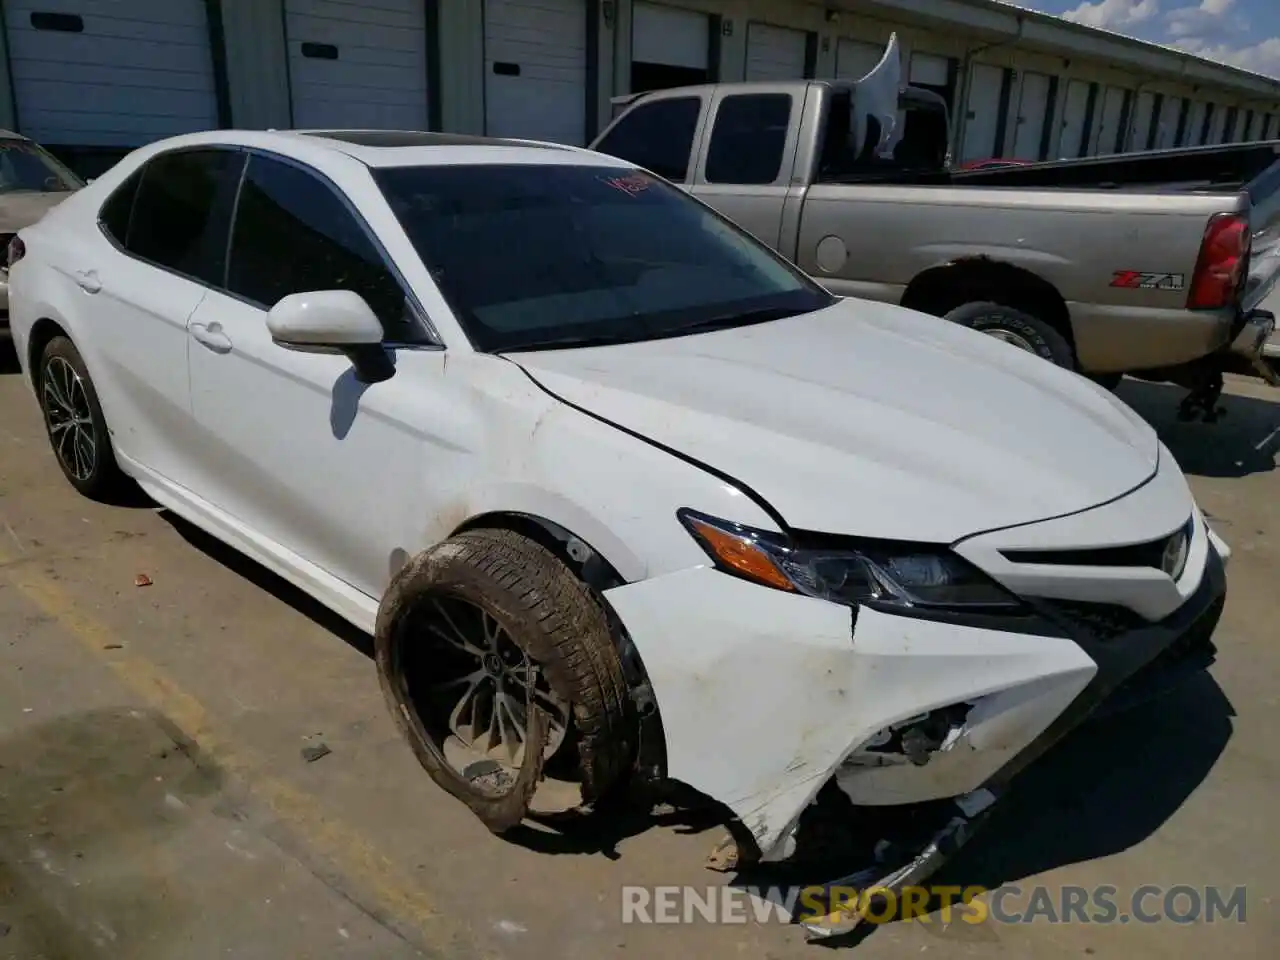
(183, 211)
(748, 138)
(657, 136)
(293, 234)
(115, 213)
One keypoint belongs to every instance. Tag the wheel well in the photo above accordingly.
(42, 333)
(942, 289)
(587, 564)
(593, 569)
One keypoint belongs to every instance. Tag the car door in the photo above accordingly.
(162, 240)
(296, 450)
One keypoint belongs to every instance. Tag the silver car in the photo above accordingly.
(32, 181)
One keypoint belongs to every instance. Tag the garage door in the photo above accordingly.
(669, 47)
(775, 53)
(110, 74)
(1143, 120)
(1167, 122)
(856, 58)
(1033, 115)
(1072, 134)
(1193, 136)
(358, 66)
(982, 121)
(535, 59)
(1217, 124)
(1113, 101)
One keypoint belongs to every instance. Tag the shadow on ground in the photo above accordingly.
(8, 357)
(1108, 787)
(87, 801)
(1244, 441)
(264, 579)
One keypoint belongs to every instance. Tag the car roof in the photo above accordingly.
(392, 148)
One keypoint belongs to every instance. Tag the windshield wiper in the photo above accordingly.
(724, 321)
(554, 343)
(727, 321)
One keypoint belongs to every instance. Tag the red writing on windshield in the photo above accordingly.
(631, 184)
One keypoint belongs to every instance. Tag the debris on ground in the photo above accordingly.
(723, 856)
(489, 775)
(312, 754)
(142, 580)
(113, 646)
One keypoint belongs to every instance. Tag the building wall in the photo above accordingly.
(255, 66)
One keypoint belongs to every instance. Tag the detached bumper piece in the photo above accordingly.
(1252, 344)
(1133, 667)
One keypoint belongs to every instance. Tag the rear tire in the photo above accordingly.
(74, 422)
(1017, 328)
(554, 621)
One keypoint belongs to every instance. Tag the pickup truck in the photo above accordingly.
(1153, 265)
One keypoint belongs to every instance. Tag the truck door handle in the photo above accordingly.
(88, 280)
(211, 336)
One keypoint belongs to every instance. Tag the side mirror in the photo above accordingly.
(332, 321)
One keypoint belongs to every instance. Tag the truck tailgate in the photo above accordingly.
(1264, 227)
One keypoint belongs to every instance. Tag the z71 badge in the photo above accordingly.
(1140, 280)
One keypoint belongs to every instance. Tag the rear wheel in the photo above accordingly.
(74, 422)
(1017, 328)
(494, 658)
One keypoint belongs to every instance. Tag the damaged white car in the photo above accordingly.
(615, 488)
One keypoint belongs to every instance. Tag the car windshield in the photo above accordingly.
(26, 167)
(544, 256)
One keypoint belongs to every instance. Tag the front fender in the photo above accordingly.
(611, 489)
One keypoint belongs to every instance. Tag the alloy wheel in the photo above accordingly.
(69, 418)
(488, 685)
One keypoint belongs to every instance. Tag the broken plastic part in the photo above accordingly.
(881, 885)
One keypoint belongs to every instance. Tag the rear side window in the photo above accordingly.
(749, 138)
(115, 213)
(657, 136)
(183, 210)
(294, 234)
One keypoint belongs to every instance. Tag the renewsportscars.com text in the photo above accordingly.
(1010, 904)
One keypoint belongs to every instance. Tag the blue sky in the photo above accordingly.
(1245, 33)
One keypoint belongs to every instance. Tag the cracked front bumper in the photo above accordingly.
(766, 696)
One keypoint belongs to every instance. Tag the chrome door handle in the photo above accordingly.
(211, 336)
(88, 281)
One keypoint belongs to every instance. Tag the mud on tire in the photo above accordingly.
(1019, 327)
(554, 620)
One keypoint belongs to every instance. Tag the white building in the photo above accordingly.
(93, 77)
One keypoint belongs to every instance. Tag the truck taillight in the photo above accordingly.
(1223, 264)
(17, 250)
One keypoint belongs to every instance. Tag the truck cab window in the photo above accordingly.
(657, 136)
(749, 138)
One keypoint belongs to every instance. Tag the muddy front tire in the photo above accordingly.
(516, 591)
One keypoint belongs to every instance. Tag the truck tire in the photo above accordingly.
(517, 591)
(1017, 328)
(74, 422)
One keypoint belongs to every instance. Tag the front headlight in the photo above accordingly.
(869, 573)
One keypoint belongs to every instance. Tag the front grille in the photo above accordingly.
(1102, 621)
(1150, 554)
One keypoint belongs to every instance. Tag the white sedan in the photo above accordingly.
(606, 478)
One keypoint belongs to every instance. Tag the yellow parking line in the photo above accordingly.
(396, 894)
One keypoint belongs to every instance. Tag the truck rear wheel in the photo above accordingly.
(1016, 328)
(491, 656)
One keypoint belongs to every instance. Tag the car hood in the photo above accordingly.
(868, 419)
(18, 210)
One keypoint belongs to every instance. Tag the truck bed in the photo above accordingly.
(1217, 169)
